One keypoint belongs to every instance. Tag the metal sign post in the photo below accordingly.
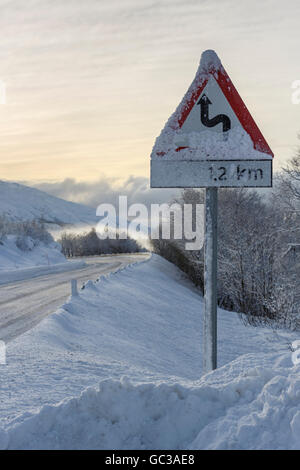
(210, 280)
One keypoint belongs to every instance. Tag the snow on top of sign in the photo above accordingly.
(199, 146)
(209, 62)
(173, 144)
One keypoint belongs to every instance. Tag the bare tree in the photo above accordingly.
(88, 244)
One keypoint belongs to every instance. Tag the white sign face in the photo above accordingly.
(204, 116)
(211, 139)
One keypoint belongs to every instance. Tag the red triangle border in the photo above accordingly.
(238, 106)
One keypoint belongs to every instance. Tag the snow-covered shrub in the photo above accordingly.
(3, 228)
(34, 230)
(252, 275)
(28, 233)
(22, 243)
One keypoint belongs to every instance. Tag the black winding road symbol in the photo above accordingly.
(204, 102)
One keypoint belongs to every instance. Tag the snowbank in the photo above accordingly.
(139, 334)
(248, 409)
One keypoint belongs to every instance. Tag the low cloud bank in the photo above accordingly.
(107, 190)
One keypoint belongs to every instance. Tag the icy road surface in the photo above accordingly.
(25, 303)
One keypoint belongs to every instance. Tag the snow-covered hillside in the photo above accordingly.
(19, 202)
(135, 338)
(37, 254)
(38, 259)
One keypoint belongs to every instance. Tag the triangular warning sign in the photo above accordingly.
(212, 121)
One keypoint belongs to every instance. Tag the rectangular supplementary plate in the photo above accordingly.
(211, 173)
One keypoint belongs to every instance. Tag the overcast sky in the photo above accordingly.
(91, 83)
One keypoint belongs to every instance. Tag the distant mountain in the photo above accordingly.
(19, 202)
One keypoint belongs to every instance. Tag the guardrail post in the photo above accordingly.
(74, 289)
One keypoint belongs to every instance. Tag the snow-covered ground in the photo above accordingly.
(37, 254)
(135, 339)
(17, 264)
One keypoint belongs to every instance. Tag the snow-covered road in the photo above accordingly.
(24, 303)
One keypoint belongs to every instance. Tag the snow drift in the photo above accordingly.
(253, 409)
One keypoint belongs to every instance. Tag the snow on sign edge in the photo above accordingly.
(244, 143)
